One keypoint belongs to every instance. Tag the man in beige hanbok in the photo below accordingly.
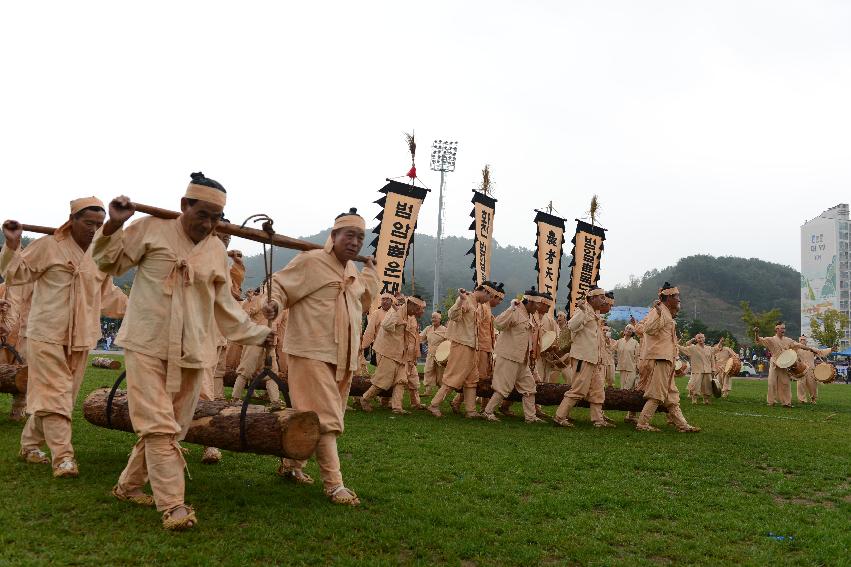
(700, 360)
(433, 335)
(658, 352)
(181, 291)
(462, 371)
(587, 359)
(721, 355)
(393, 347)
(779, 379)
(808, 385)
(547, 373)
(69, 295)
(511, 368)
(626, 352)
(326, 296)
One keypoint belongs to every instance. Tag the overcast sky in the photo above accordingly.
(704, 127)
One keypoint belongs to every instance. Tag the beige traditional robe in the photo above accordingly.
(701, 361)
(626, 351)
(181, 292)
(548, 373)
(511, 368)
(484, 341)
(587, 353)
(808, 385)
(721, 355)
(373, 324)
(69, 295)
(462, 366)
(433, 337)
(656, 371)
(326, 302)
(609, 356)
(779, 379)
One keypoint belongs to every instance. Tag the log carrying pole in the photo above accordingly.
(288, 433)
(13, 378)
(222, 227)
(547, 395)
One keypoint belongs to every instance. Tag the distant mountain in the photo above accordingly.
(712, 288)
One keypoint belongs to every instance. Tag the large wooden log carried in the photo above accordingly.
(288, 433)
(13, 378)
(547, 395)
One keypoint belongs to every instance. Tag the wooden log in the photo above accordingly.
(547, 395)
(13, 378)
(38, 229)
(288, 433)
(241, 231)
(103, 362)
(224, 227)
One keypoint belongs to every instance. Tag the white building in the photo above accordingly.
(824, 266)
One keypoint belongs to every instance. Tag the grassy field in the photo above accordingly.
(759, 486)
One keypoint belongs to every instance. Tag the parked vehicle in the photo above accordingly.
(747, 369)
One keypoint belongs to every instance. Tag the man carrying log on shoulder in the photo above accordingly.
(587, 354)
(326, 296)
(181, 292)
(395, 348)
(513, 349)
(659, 350)
(69, 295)
(465, 361)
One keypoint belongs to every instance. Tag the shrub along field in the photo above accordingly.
(758, 486)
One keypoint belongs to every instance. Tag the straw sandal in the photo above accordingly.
(211, 456)
(187, 522)
(535, 419)
(34, 457)
(138, 499)
(562, 421)
(344, 496)
(491, 417)
(66, 469)
(435, 411)
(688, 429)
(640, 427)
(603, 424)
(293, 475)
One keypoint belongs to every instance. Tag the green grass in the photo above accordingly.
(471, 493)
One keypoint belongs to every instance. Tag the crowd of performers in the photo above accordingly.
(309, 314)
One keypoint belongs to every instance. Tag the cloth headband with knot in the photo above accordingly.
(78, 205)
(491, 290)
(438, 314)
(386, 295)
(669, 291)
(345, 221)
(595, 292)
(532, 298)
(208, 194)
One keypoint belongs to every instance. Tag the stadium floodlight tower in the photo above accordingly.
(442, 160)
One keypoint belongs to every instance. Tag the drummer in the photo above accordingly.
(808, 385)
(700, 360)
(779, 379)
(722, 354)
